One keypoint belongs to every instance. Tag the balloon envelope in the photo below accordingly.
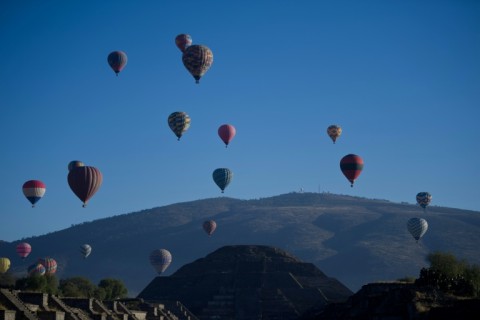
(197, 59)
(36, 269)
(179, 122)
(34, 190)
(160, 259)
(351, 166)
(226, 132)
(417, 227)
(334, 132)
(23, 249)
(49, 264)
(183, 41)
(117, 61)
(209, 226)
(85, 250)
(74, 164)
(85, 182)
(4, 265)
(222, 177)
(424, 199)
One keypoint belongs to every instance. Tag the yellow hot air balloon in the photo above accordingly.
(4, 265)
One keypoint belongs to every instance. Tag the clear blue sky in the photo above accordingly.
(402, 78)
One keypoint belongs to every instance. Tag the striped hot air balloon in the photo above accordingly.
(85, 182)
(117, 61)
(222, 177)
(183, 41)
(209, 226)
(197, 59)
(23, 249)
(417, 227)
(36, 269)
(85, 250)
(226, 132)
(351, 166)
(160, 259)
(50, 265)
(179, 122)
(34, 190)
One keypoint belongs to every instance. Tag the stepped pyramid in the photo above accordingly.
(247, 282)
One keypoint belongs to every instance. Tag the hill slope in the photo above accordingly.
(355, 240)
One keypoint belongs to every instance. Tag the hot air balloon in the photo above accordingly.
(183, 41)
(222, 177)
(4, 265)
(334, 132)
(85, 250)
(417, 227)
(34, 190)
(85, 182)
(117, 61)
(36, 269)
(74, 164)
(50, 265)
(226, 132)
(23, 249)
(179, 122)
(424, 199)
(351, 166)
(160, 259)
(209, 226)
(197, 59)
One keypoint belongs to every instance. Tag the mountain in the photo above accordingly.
(352, 239)
(247, 282)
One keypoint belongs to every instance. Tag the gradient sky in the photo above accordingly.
(402, 78)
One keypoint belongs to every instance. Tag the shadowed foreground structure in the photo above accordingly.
(247, 282)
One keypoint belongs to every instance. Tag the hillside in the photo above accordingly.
(354, 240)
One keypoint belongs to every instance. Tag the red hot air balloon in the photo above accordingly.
(351, 166)
(209, 226)
(226, 132)
(183, 41)
(34, 190)
(85, 182)
(117, 61)
(23, 249)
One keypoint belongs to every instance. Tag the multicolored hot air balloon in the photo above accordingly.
(334, 132)
(36, 269)
(23, 249)
(226, 132)
(417, 227)
(74, 164)
(4, 265)
(179, 122)
(351, 166)
(222, 177)
(209, 226)
(160, 259)
(85, 182)
(197, 59)
(34, 190)
(424, 199)
(85, 250)
(50, 265)
(117, 61)
(183, 41)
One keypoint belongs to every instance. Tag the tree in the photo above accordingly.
(114, 289)
(77, 287)
(7, 280)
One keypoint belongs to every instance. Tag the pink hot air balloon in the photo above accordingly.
(226, 132)
(23, 249)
